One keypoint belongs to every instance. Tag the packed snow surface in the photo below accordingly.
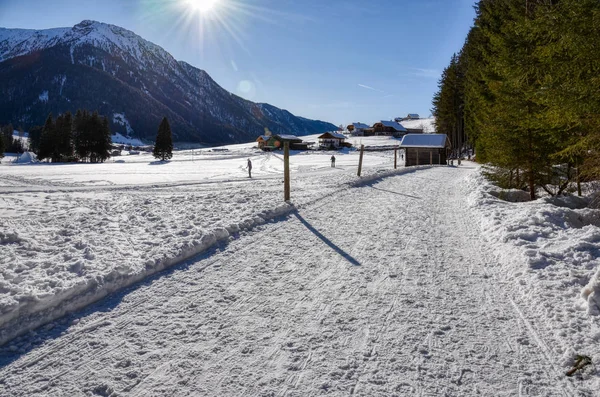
(407, 282)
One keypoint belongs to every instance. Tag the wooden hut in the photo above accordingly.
(424, 149)
(276, 142)
(262, 141)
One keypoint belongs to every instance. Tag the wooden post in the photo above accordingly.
(417, 156)
(395, 158)
(430, 157)
(362, 150)
(286, 171)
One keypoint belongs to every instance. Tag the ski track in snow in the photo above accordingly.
(380, 290)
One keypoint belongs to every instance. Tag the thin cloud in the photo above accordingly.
(370, 88)
(428, 73)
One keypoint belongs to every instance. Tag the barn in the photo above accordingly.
(422, 149)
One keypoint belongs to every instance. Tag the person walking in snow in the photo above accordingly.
(249, 168)
(333, 161)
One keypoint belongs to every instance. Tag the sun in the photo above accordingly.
(202, 5)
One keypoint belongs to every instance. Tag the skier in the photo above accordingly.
(333, 161)
(249, 168)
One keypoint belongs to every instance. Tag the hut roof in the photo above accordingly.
(263, 137)
(291, 138)
(413, 116)
(336, 135)
(425, 140)
(393, 124)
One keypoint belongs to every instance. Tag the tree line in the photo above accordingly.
(523, 93)
(83, 137)
(8, 142)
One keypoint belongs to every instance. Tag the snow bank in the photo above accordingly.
(83, 270)
(555, 237)
(71, 234)
(27, 158)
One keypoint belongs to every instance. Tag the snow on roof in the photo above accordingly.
(393, 124)
(360, 126)
(288, 137)
(263, 137)
(335, 135)
(424, 140)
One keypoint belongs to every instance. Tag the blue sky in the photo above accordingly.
(334, 60)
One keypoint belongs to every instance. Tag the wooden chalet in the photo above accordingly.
(276, 142)
(388, 128)
(332, 140)
(412, 116)
(425, 149)
(357, 129)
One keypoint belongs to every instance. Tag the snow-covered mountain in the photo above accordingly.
(105, 67)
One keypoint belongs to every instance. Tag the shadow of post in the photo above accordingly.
(337, 249)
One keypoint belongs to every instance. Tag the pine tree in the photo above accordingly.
(63, 138)
(46, 139)
(81, 140)
(163, 147)
(35, 134)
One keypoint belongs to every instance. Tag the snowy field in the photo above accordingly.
(71, 233)
(398, 283)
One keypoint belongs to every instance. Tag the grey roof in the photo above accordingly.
(335, 135)
(361, 126)
(413, 115)
(393, 124)
(424, 140)
(288, 137)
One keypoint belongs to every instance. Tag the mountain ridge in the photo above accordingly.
(107, 68)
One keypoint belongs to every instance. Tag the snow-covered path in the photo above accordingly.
(379, 290)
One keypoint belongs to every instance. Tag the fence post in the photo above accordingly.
(286, 171)
(395, 158)
(362, 149)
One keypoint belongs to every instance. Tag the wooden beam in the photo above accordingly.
(360, 159)
(286, 171)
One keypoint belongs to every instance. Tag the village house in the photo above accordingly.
(412, 116)
(332, 140)
(357, 129)
(276, 142)
(388, 128)
(423, 149)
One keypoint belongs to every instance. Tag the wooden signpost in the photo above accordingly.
(286, 171)
(362, 149)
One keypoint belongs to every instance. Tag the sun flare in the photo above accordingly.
(202, 5)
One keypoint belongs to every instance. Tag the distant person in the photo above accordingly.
(249, 168)
(333, 161)
(459, 161)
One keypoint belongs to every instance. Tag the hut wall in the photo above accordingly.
(426, 156)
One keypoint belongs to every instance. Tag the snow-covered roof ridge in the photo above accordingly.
(17, 42)
(393, 124)
(424, 140)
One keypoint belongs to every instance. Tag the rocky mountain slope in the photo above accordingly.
(133, 81)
